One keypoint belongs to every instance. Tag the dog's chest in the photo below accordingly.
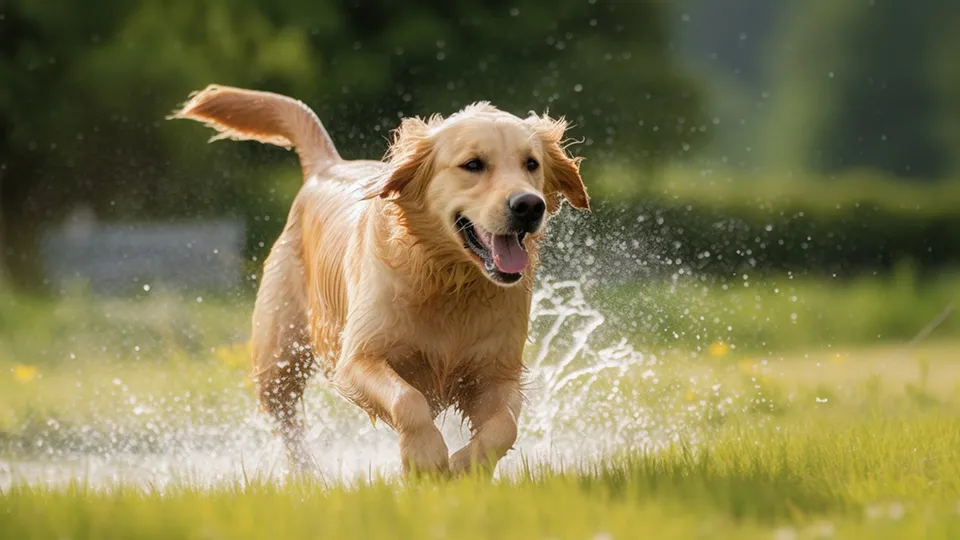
(459, 332)
(447, 352)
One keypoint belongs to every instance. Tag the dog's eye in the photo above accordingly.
(474, 165)
(532, 164)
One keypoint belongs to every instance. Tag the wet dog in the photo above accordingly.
(406, 281)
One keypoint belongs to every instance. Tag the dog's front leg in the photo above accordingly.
(493, 410)
(374, 385)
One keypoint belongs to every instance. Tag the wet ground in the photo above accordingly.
(577, 410)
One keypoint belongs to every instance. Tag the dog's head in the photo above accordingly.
(488, 179)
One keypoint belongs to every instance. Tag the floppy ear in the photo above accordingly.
(407, 158)
(562, 171)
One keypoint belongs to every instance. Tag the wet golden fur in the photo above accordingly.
(370, 284)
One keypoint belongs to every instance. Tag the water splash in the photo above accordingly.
(564, 413)
(585, 398)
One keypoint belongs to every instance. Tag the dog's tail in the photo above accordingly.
(266, 117)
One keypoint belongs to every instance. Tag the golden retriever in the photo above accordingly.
(406, 281)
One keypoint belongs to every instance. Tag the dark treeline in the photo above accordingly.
(864, 84)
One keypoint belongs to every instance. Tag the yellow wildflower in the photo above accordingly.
(24, 373)
(690, 396)
(718, 349)
(234, 356)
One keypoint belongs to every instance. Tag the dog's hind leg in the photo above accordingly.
(282, 358)
(281, 381)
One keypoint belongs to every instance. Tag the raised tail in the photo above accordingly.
(266, 117)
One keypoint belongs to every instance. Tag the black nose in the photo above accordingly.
(526, 211)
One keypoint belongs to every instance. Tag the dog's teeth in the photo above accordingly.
(488, 264)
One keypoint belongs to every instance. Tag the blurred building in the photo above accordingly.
(121, 257)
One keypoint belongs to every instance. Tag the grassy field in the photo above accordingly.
(777, 315)
(840, 473)
(765, 435)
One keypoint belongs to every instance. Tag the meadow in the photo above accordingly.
(801, 409)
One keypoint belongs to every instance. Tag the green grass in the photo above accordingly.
(870, 477)
(763, 314)
(78, 328)
(854, 437)
(774, 315)
(864, 444)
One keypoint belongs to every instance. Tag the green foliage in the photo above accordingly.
(82, 120)
(720, 223)
(865, 84)
(944, 71)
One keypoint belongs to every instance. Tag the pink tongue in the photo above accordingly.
(509, 257)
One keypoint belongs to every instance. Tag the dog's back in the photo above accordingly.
(330, 209)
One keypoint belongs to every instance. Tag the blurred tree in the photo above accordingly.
(725, 42)
(854, 88)
(37, 47)
(944, 70)
(16, 163)
(82, 120)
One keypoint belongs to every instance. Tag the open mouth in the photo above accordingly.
(504, 256)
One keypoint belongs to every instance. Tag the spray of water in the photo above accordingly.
(585, 399)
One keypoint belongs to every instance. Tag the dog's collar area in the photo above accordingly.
(472, 243)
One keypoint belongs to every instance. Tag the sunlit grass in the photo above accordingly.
(716, 317)
(78, 328)
(776, 315)
(816, 476)
(805, 429)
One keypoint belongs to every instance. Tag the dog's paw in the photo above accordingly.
(471, 460)
(423, 452)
